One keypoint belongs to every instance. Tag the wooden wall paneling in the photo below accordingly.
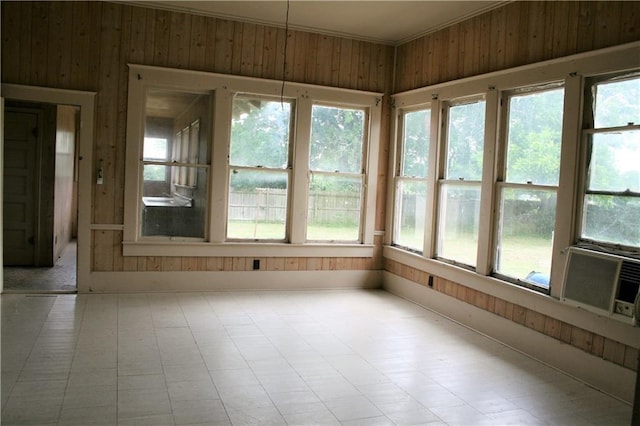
(118, 259)
(465, 61)
(258, 51)
(573, 10)
(439, 51)
(210, 44)
(107, 106)
(315, 61)
(360, 54)
(549, 12)
(201, 264)
(418, 66)
(581, 338)
(224, 46)
(154, 263)
(39, 44)
(171, 263)
(324, 60)
(189, 264)
(150, 36)
(180, 36)
(560, 29)
(535, 41)
(283, 62)
(523, 32)
(631, 358)
(81, 45)
(291, 264)
(299, 47)
(498, 39)
(552, 327)
(24, 37)
(60, 26)
(11, 35)
(270, 52)
(346, 48)
(197, 44)
(248, 49)
(336, 56)
(102, 251)
(142, 263)
(236, 50)
(162, 37)
(629, 21)
(586, 25)
(484, 64)
(130, 263)
(121, 117)
(214, 264)
(453, 47)
(511, 34)
(607, 30)
(614, 351)
(137, 35)
(597, 346)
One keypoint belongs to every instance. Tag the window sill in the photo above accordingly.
(249, 249)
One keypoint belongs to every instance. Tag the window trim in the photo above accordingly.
(223, 88)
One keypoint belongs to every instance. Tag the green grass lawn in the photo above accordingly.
(276, 231)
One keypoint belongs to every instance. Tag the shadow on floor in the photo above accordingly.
(60, 278)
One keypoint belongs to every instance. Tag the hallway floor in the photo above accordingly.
(271, 358)
(59, 278)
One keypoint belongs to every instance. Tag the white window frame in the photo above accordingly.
(224, 87)
(588, 131)
(501, 162)
(571, 71)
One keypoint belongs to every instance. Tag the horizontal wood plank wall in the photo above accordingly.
(595, 344)
(519, 33)
(87, 45)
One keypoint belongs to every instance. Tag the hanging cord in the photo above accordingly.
(284, 58)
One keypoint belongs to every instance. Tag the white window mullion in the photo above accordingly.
(370, 170)
(487, 192)
(300, 181)
(219, 176)
(566, 206)
(433, 171)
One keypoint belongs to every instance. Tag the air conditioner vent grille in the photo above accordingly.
(630, 271)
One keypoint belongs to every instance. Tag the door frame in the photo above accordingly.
(86, 101)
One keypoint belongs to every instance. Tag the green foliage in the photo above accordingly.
(336, 139)
(416, 143)
(466, 141)
(260, 133)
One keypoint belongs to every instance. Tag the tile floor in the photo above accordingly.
(283, 358)
(59, 278)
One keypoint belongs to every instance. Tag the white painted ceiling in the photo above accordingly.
(389, 22)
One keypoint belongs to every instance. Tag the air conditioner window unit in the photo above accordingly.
(602, 283)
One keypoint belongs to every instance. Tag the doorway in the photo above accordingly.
(40, 197)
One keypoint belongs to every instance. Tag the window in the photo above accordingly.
(411, 180)
(460, 185)
(217, 163)
(174, 207)
(336, 169)
(611, 203)
(527, 192)
(259, 168)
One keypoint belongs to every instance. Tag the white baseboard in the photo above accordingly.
(603, 375)
(135, 282)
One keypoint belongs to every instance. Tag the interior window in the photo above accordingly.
(336, 174)
(411, 181)
(460, 187)
(174, 188)
(611, 204)
(527, 193)
(259, 169)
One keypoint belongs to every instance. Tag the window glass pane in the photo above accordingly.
(534, 137)
(257, 204)
(465, 141)
(171, 213)
(612, 219)
(458, 226)
(169, 113)
(155, 149)
(154, 172)
(336, 139)
(334, 208)
(527, 220)
(260, 133)
(415, 143)
(410, 214)
(615, 162)
(616, 103)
